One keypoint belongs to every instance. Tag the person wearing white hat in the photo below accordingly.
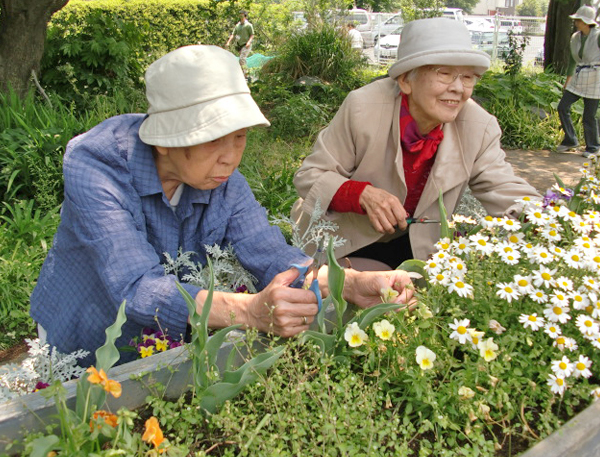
(398, 142)
(138, 187)
(583, 81)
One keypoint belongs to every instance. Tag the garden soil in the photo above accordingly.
(537, 167)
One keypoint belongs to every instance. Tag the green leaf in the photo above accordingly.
(235, 381)
(335, 278)
(369, 315)
(42, 446)
(108, 354)
(445, 230)
(416, 266)
(323, 340)
(559, 181)
(214, 343)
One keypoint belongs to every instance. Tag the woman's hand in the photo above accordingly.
(281, 309)
(384, 210)
(364, 288)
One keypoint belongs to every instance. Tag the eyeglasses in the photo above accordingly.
(445, 76)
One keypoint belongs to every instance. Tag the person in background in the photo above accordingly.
(138, 187)
(241, 37)
(397, 143)
(583, 81)
(356, 39)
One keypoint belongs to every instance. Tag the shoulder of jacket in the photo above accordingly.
(382, 90)
(473, 112)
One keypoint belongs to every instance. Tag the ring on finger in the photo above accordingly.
(305, 320)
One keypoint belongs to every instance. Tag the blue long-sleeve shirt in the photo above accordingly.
(116, 225)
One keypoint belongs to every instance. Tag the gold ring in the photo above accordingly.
(305, 320)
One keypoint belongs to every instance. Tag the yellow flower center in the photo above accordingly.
(537, 215)
(439, 276)
(544, 255)
(522, 282)
(445, 246)
(562, 365)
(508, 289)
(426, 363)
(460, 284)
(462, 330)
(539, 294)
(557, 310)
(575, 258)
(546, 276)
(533, 318)
(588, 324)
(580, 366)
(462, 246)
(560, 340)
(552, 232)
(355, 339)
(560, 381)
(482, 242)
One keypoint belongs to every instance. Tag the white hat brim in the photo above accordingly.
(202, 122)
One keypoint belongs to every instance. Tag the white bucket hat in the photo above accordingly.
(587, 14)
(197, 94)
(436, 41)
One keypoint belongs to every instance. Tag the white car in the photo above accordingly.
(387, 46)
(479, 24)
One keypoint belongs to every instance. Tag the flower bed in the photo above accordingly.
(500, 350)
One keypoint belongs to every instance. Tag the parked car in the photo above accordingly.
(387, 47)
(484, 41)
(479, 24)
(387, 27)
(513, 25)
(361, 20)
(454, 13)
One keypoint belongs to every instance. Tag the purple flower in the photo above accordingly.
(241, 289)
(41, 385)
(175, 344)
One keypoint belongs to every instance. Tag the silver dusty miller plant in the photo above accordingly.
(229, 272)
(44, 365)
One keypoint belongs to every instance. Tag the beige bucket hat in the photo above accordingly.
(197, 94)
(436, 41)
(587, 14)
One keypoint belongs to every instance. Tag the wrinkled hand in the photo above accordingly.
(364, 288)
(280, 309)
(384, 209)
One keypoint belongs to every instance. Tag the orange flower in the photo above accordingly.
(153, 433)
(108, 418)
(99, 377)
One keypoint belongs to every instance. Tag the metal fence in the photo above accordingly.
(488, 33)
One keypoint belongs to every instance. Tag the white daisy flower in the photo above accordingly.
(595, 304)
(523, 283)
(532, 321)
(559, 299)
(582, 227)
(591, 283)
(579, 300)
(441, 277)
(570, 344)
(481, 244)
(516, 238)
(563, 283)
(541, 255)
(433, 266)
(509, 224)
(538, 296)
(562, 367)
(440, 256)
(550, 234)
(461, 330)
(443, 244)
(584, 243)
(595, 393)
(460, 287)
(543, 277)
(507, 291)
(458, 267)
(557, 384)
(557, 251)
(574, 258)
(587, 325)
(461, 246)
(488, 222)
(536, 216)
(553, 330)
(582, 367)
(557, 314)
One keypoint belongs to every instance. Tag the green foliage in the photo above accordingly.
(525, 105)
(419, 9)
(212, 388)
(534, 8)
(513, 62)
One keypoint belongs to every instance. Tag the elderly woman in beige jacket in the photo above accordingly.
(396, 143)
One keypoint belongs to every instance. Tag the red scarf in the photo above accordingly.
(418, 155)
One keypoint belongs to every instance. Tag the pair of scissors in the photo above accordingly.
(412, 220)
(317, 263)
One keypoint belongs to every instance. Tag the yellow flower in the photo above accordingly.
(384, 329)
(388, 295)
(425, 357)
(146, 351)
(153, 434)
(355, 336)
(487, 349)
(162, 345)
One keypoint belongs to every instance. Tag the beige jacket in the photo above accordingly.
(362, 143)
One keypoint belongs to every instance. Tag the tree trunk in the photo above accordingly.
(23, 25)
(559, 28)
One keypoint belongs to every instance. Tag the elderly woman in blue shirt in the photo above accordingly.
(139, 186)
